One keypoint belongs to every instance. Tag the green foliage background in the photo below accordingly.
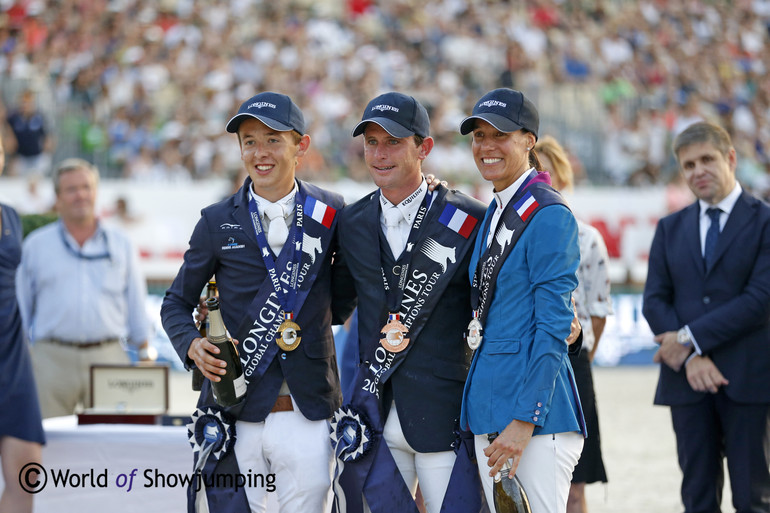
(30, 222)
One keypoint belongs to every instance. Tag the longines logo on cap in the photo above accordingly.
(492, 103)
(259, 105)
(385, 107)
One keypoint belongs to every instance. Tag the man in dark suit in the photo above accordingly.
(272, 247)
(707, 298)
(407, 249)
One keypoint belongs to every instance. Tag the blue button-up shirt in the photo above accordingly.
(87, 293)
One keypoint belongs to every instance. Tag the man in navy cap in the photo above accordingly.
(408, 250)
(270, 247)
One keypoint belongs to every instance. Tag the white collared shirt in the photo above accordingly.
(287, 202)
(82, 293)
(409, 208)
(726, 206)
(502, 198)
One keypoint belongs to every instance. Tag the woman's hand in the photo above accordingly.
(574, 328)
(510, 444)
(201, 311)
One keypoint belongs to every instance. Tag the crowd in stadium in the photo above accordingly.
(144, 87)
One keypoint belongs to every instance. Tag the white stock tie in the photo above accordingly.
(277, 232)
(393, 218)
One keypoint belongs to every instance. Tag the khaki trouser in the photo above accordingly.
(62, 374)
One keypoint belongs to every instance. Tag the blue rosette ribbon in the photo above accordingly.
(351, 438)
(351, 434)
(211, 434)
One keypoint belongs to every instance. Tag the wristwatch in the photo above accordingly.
(683, 337)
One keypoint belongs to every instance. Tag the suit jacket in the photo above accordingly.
(727, 307)
(311, 369)
(521, 370)
(427, 386)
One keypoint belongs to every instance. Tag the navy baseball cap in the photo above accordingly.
(505, 109)
(275, 110)
(400, 115)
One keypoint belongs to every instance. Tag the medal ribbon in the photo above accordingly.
(265, 304)
(286, 297)
(483, 282)
(395, 294)
(376, 472)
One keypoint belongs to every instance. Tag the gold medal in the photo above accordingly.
(394, 333)
(289, 333)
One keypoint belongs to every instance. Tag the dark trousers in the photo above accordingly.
(719, 427)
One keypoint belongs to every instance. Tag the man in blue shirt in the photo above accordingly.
(80, 293)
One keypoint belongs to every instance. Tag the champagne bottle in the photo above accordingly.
(509, 494)
(231, 387)
(197, 375)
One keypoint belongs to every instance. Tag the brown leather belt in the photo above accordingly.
(283, 403)
(80, 344)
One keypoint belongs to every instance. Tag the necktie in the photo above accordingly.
(711, 236)
(277, 232)
(393, 218)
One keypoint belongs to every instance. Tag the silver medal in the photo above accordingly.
(474, 334)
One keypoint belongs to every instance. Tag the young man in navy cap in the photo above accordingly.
(407, 249)
(270, 246)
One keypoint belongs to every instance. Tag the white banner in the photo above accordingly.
(161, 216)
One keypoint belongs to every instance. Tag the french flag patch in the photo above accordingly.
(319, 211)
(458, 220)
(526, 205)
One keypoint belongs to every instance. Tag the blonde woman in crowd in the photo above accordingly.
(592, 299)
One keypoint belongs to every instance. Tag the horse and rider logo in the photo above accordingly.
(311, 246)
(442, 255)
(503, 236)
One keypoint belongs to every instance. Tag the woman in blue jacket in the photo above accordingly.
(521, 386)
